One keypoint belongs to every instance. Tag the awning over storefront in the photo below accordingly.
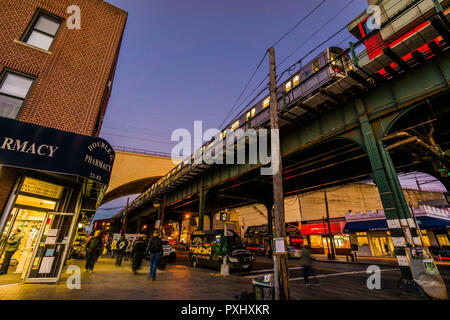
(322, 228)
(364, 226)
(381, 224)
(26, 145)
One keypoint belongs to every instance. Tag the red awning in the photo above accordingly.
(318, 228)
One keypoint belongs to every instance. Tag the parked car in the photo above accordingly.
(257, 249)
(294, 252)
(207, 248)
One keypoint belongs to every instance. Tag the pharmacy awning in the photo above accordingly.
(29, 146)
(424, 222)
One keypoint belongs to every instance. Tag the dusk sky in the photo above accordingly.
(187, 60)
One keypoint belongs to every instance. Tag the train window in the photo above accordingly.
(266, 102)
(296, 80)
(235, 125)
(316, 65)
(288, 86)
(250, 114)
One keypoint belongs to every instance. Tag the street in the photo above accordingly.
(180, 281)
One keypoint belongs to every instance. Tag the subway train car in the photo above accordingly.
(329, 66)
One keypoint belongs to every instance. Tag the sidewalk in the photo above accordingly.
(109, 282)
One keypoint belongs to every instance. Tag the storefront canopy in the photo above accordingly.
(363, 226)
(381, 225)
(26, 145)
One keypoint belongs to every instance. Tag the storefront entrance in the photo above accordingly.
(381, 246)
(34, 235)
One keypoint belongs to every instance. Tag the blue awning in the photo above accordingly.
(432, 223)
(369, 225)
(381, 225)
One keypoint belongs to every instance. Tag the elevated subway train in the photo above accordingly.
(329, 66)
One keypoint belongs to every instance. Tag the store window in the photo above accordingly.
(341, 241)
(362, 238)
(442, 240)
(426, 240)
(14, 88)
(42, 31)
(316, 241)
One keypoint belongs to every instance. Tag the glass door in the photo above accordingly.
(51, 250)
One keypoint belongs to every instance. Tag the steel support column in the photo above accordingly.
(201, 207)
(385, 190)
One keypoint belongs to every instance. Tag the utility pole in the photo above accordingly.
(281, 271)
(333, 257)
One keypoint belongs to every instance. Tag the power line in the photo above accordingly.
(263, 58)
(298, 23)
(316, 32)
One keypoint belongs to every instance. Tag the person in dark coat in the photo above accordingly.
(121, 247)
(11, 247)
(306, 262)
(93, 250)
(138, 253)
(155, 248)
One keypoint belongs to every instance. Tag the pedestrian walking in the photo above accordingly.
(122, 244)
(155, 248)
(93, 250)
(11, 247)
(138, 253)
(129, 249)
(113, 248)
(306, 262)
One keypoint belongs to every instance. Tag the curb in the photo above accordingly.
(357, 263)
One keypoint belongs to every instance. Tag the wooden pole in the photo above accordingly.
(281, 271)
(330, 235)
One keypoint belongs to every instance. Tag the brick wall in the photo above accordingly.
(71, 90)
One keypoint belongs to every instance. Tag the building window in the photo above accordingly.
(266, 102)
(296, 80)
(42, 30)
(14, 89)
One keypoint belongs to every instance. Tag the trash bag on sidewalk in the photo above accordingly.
(162, 264)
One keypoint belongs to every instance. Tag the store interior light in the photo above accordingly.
(80, 225)
(187, 216)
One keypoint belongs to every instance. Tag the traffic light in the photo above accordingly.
(223, 215)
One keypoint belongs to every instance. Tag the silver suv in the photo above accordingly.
(168, 251)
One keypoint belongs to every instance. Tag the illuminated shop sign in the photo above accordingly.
(30, 146)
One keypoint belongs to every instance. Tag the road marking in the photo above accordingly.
(9, 285)
(267, 270)
(340, 274)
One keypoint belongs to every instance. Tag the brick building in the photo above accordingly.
(55, 83)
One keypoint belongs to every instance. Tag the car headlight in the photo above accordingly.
(232, 259)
